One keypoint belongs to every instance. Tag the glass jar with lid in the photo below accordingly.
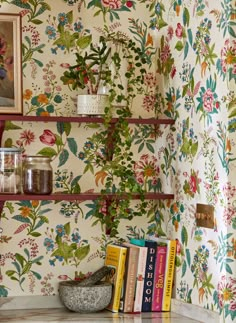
(37, 175)
(10, 170)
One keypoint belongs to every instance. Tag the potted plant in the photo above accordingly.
(111, 72)
(91, 72)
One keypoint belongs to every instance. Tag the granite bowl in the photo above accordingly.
(85, 299)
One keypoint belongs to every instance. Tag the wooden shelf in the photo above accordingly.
(81, 119)
(80, 197)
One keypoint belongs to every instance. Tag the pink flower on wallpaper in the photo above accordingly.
(150, 80)
(208, 100)
(229, 190)
(27, 137)
(146, 169)
(229, 214)
(63, 277)
(179, 31)
(228, 56)
(193, 183)
(173, 71)
(48, 137)
(112, 4)
(149, 102)
(178, 247)
(227, 292)
(165, 53)
(170, 32)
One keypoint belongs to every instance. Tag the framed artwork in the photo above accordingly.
(10, 64)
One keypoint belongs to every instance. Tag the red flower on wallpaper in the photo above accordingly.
(227, 292)
(179, 30)
(146, 170)
(112, 4)
(191, 185)
(48, 137)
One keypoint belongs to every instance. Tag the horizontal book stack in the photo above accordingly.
(142, 275)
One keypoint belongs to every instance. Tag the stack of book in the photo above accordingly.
(142, 275)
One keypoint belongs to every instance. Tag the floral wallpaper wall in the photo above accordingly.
(190, 46)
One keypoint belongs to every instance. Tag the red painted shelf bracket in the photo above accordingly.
(2, 127)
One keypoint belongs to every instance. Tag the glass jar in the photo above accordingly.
(37, 175)
(10, 170)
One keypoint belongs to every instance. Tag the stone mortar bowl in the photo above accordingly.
(85, 299)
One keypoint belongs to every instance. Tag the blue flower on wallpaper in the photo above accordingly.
(59, 258)
(81, 155)
(78, 26)
(50, 32)
(48, 243)
(52, 262)
(76, 236)
(89, 145)
(54, 51)
(62, 18)
(60, 230)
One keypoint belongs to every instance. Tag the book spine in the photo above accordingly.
(116, 258)
(169, 275)
(159, 278)
(131, 279)
(149, 276)
(140, 279)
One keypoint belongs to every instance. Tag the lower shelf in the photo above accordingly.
(82, 197)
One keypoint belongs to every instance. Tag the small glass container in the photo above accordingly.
(37, 175)
(10, 170)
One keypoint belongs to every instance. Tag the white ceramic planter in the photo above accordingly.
(91, 104)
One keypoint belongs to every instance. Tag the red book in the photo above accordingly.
(159, 278)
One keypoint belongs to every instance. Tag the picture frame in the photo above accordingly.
(10, 64)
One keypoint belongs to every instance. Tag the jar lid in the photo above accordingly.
(37, 157)
(10, 150)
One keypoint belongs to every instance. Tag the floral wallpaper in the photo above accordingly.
(190, 48)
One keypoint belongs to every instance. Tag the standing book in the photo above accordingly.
(149, 272)
(115, 258)
(159, 277)
(127, 297)
(138, 296)
(169, 272)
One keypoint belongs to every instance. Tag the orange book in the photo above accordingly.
(115, 258)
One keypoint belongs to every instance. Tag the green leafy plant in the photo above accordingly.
(115, 63)
(91, 69)
(119, 64)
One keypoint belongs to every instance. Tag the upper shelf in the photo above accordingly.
(81, 119)
(81, 197)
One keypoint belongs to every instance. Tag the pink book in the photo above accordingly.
(159, 278)
(138, 297)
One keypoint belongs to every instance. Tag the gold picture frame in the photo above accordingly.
(10, 64)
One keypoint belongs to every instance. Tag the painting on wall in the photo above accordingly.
(10, 64)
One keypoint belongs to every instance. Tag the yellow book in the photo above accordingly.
(115, 258)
